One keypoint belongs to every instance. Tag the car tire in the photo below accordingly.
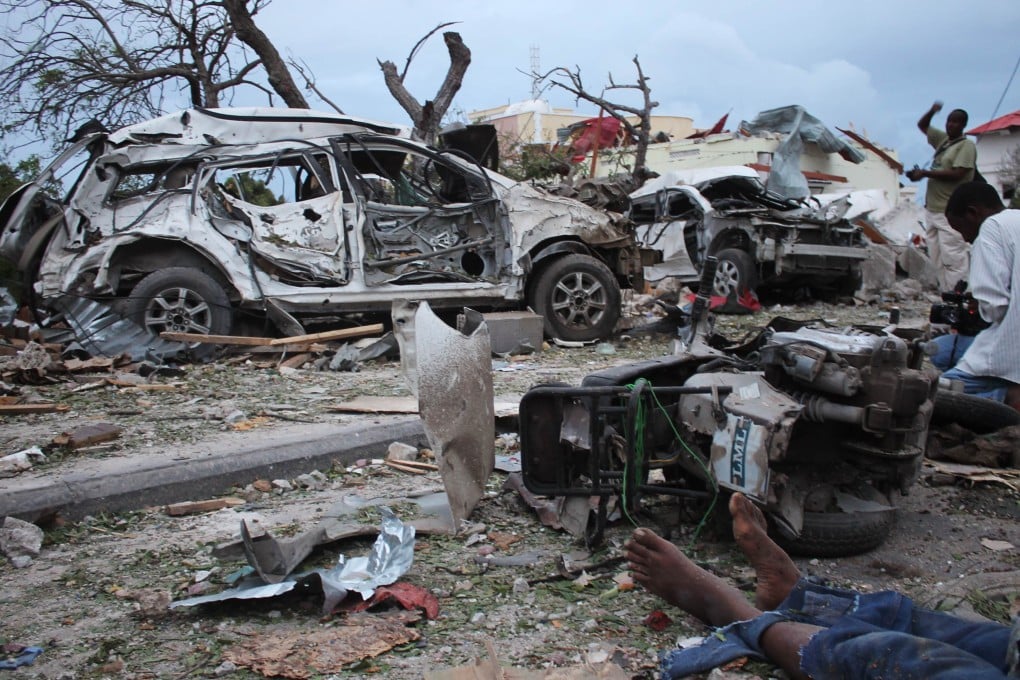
(977, 414)
(839, 534)
(181, 300)
(735, 273)
(578, 297)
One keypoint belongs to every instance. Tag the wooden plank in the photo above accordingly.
(194, 507)
(18, 409)
(216, 339)
(371, 404)
(297, 360)
(338, 334)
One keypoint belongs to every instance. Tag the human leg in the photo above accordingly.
(951, 347)
(949, 252)
(985, 386)
(775, 572)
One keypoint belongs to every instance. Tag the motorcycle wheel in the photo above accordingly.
(839, 534)
(977, 414)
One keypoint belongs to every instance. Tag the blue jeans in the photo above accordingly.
(951, 348)
(880, 635)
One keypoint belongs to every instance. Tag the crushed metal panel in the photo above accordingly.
(451, 374)
(103, 332)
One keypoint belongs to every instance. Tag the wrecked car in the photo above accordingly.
(760, 238)
(203, 220)
(821, 427)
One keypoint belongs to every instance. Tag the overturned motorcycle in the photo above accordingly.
(820, 427)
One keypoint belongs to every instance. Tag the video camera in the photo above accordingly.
(959, 310)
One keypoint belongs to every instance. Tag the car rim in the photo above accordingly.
(727, 277)
(178, 310)
(579, 299)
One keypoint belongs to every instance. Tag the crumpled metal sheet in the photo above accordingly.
(785, 177)
(390, 558)
(450, 372)
(103, 332)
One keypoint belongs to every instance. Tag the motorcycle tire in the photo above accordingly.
(839, 534)
(977, 414)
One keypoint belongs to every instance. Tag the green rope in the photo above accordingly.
(639, 455)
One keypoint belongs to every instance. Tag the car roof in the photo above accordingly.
(245, 126)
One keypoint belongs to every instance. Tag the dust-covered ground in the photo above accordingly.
(94, 597)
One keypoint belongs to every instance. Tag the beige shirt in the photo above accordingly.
(960, 153)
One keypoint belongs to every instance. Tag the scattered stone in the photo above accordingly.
(18, 462)
(20, 541)
(314, 480)
(235, 416)
(401, 451)
(521, 585)
(477, 618)
(151, 603)
(225, 668)
(283, 485)
(263, 485)
(461, 586)
(88, 435)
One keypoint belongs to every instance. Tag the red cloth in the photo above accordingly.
(406, 595)
(600, 132)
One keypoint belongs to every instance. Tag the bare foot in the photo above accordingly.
(665, 571)
(776, 572)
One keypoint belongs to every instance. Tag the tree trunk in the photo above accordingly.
(276, 68)
(427, 117)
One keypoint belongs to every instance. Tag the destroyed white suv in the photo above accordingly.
(761, 239)
(189, 220)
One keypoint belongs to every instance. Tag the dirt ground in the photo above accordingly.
(95, 597)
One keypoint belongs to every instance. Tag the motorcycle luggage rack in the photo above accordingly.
(597, 441)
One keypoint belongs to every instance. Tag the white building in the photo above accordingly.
(995, 140)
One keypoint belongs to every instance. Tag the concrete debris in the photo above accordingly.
(88, 435)
(918, 267)
(401, 451)
(20, 541)
(16, 463)
(878, 272)
(151, 603)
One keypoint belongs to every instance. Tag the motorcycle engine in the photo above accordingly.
(872, 380)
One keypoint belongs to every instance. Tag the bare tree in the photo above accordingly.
(641, 132)
(67, 61)
(427, 117)
(276, 68)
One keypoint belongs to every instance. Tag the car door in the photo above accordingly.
(425, 216)
(291, 210)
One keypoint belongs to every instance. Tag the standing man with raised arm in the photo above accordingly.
(954, 163)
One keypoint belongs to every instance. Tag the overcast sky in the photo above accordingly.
(873, 64)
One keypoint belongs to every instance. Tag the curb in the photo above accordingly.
(205, 471)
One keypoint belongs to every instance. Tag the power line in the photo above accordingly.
(1004, 91)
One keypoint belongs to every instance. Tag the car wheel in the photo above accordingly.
(975, 413)
(839, 534)
(735, 273)
(578, 297)
(180, 300)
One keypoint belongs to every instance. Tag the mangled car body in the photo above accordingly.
(760, 238)
(189, 219)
